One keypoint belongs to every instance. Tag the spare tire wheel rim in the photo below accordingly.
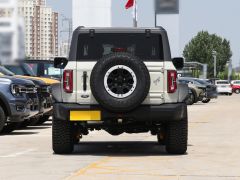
(120, 81)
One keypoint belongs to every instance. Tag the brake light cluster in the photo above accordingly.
(68, 81)
(172, 81)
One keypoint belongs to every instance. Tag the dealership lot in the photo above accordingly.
(213, 151)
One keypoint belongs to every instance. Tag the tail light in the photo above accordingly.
(68, 81)
(172, 81)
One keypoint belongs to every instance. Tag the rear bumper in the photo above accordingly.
(212, 95)
(225, 90)
(160, 113)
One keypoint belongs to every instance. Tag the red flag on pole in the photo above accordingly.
(129, 4)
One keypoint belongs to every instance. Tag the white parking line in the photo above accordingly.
(18, 153)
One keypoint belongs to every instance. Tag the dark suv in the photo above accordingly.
(18, 101)
(44, 96)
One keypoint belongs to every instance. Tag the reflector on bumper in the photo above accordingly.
(85, 115)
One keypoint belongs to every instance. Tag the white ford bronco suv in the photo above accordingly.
(121, 80)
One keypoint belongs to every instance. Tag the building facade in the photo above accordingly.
(41, 29)
(64, 49)
(11, 32)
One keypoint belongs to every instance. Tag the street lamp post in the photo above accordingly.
(230, 70)
(214, 53)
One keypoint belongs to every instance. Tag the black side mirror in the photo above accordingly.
(178, 63)
(60, 62)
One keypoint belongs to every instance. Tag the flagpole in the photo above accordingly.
(135, 23)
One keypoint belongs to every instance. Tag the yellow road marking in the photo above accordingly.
(109, 170)
(91, 166)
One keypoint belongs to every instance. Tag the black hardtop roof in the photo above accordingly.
(120, 29)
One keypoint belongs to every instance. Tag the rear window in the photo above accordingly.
(16, 70)
(34, 67)
(23, 70)
(184, 81)
(44, 69)
(222, 82)
(236, 82)
(148, 48)
(200, 81)
(5, 71)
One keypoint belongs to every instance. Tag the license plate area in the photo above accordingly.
(85, 115)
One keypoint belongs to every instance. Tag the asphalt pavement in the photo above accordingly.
(213, 151)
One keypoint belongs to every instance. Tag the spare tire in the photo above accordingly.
(120, 82)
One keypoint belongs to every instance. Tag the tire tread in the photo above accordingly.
(177, 137)
(62, 138)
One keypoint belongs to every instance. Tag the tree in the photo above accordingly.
(200, 49)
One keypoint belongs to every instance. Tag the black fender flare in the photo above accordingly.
(4, 102)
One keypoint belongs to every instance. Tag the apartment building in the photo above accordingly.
(11, 32)
(64, 49)
(41, 29)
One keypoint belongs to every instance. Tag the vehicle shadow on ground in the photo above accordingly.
(18, 133)
(130, 148)
(204, 104)
(36, 127)
(47, 124)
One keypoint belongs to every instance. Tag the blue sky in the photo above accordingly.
(216, 16)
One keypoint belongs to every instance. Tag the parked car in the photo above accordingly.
(18, 101)
(44, 68)
(210, 91)
(212, 80)
(44, 95)
(236, 86)
(224, 87)
(24, 70)
(196, 90)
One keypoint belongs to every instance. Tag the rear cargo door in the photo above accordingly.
(147, 47)
(156, 93)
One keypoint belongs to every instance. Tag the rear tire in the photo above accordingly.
(177, 137)
(191, 98)
(161, 137)
(237, 91)
(25, 124)
(33, 121)
(10, 127)
(62, 137)
(42, 120)
(206, 101)
(2, 119)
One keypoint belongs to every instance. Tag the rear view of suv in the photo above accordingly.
(224, 87)
(121, 81)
